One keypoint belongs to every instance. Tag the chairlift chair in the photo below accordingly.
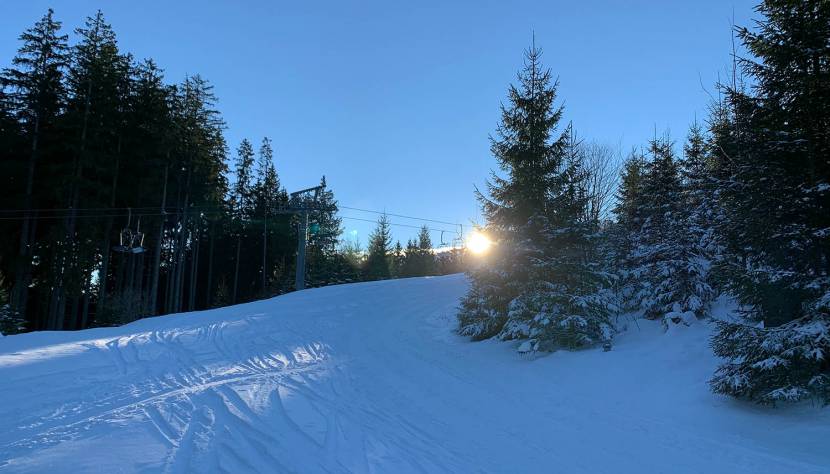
(130, 241)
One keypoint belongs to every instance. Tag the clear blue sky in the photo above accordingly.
(394, 101)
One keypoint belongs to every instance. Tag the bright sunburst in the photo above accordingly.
(478, 243)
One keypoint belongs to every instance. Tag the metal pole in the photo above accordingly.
(303, 229)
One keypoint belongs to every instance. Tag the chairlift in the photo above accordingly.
(456, 242)
(130, 241)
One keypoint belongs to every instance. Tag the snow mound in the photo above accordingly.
(371, 377)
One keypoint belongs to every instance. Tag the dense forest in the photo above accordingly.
(740, 208)
(122, 200)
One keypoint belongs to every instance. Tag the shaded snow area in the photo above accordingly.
(371, 377)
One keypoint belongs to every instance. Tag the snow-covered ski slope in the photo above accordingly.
(371, 378)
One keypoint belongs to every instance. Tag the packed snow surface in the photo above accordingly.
(370, 377)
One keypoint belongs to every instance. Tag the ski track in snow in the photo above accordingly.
(371, 378)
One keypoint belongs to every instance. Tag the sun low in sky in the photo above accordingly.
(478, 242)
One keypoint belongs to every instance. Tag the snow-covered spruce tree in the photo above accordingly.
(775, 185)
(698, 204)
(622, 233)
(541, 282)
(697, 215)
(667, 267)
(567, 305)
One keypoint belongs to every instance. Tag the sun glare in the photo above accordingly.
(478, 243)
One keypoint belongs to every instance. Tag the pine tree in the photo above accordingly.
(243, 187)
(325, 265)
(697, 215)
(243, 201)
(267, 193)
(398, 260)
(670, 270)
(380, 243)
(328, 224)
(99, 88)
(147, 146)
(410, 261)
(695, 170)
(36, 96)
(628, 211)
(541, 282)
(200, 165)
(774, 181)
(267, 198)
(425, 253)
(351, 252)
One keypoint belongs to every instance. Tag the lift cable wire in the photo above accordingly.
(398, 215)
(120, 212)
(401, 225)
(171, 210)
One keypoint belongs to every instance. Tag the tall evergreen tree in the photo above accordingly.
(269, 198)
(410, 260)
(148, 145)
(628, 212)
(425, 252)
(418, 259)
(243, 187)
(396, 267)
(325, 264)
(98, 83)
(667, 264)
(243, 199)
(36, 96)
(327, 224)
(380, 244)
(695, 170)
(539, 284)
(775, 183)
(267, 194)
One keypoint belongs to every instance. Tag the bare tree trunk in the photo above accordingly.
(177, 300)
(85, 312)
(209, 292)
(130, 275)
(58, 311)
(157, 251)
(264, 254)
(168, 296)
(105, 247)
(20, 292)
(23, 295)
(138, 283)
(75, 307)
(236, 272)
(194, 270)
(122, 268)
(180, 265)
